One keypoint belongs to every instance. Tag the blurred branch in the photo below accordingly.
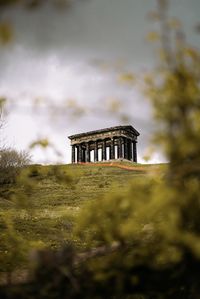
(97, 252)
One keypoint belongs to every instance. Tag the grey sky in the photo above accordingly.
(54, 56)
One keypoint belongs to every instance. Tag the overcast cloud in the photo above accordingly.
(77, 55)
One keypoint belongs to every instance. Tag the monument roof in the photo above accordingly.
(127, 127)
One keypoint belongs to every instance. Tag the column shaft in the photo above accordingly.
(73, 153)
(135, 151)
(130, 150)
(96, 152)
(112, 149)
(83, 155)
(104, 150)
(125, 149)
(119, 148)
(79, 153)
(87, 152)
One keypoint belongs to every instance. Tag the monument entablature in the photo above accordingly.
(106, 144)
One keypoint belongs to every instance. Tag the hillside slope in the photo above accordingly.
(55, 203)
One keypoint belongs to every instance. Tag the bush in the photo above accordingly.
(11, 161)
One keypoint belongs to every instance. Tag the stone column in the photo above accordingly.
(87, 152)
(119, 148)
(83, 155)
(104, 150)
(96, 151)
(135, 151)
(125, 149)
(79, 153)
(130, 150)
(112, 149)
(73, 153)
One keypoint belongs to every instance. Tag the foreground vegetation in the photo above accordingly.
(142, 241)
(54, 202)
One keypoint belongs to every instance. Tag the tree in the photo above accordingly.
(156, 224)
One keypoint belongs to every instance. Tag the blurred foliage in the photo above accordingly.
(19, 188)
(156, 224)
(42, 142)
(2, 103)
(33, 3)
(6, 28)
(127, 78)
(13, 248)
(5, 32)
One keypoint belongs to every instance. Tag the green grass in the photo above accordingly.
(55, 203)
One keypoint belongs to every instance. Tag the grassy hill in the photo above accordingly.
(55, 203)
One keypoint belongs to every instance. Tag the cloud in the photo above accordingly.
(77, 55)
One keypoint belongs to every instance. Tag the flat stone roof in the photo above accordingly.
(129, 127)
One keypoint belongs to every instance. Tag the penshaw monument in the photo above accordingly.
(113, 143)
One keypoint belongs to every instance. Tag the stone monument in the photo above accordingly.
(115, 143)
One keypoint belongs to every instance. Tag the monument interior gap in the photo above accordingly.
(111, 143)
